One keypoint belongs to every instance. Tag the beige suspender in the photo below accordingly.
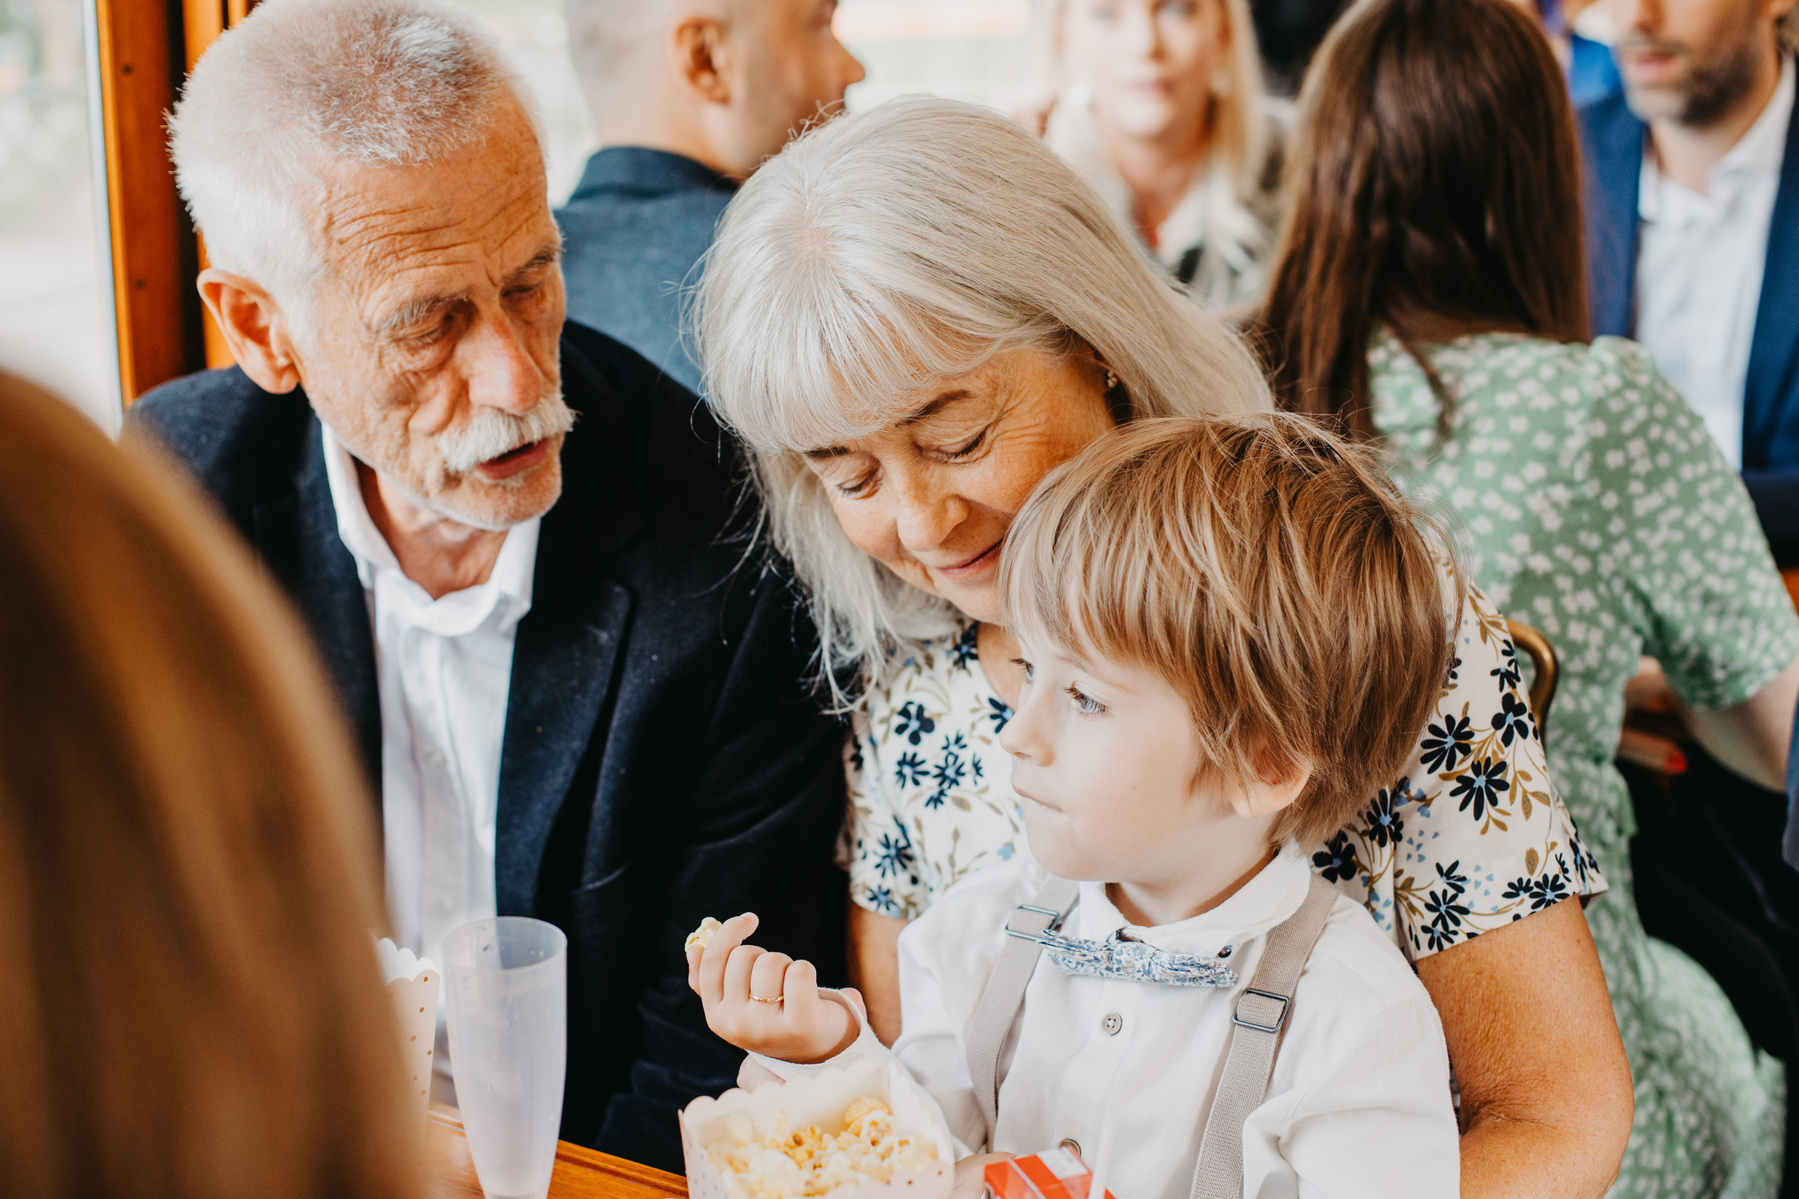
(1004, 994)
(1260, 1016)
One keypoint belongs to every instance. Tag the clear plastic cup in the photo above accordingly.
(506, 983)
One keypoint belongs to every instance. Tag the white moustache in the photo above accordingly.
(491, 433)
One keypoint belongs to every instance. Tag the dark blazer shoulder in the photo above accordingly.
(665, 418)
(243, 445)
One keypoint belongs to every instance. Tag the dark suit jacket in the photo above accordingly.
(663, 759)
(632, 232)
(1612, 143)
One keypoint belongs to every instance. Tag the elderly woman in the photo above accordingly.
(911, 316)
(1162, 111)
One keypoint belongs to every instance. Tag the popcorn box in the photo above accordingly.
(1052, 1174)
(820, 1099)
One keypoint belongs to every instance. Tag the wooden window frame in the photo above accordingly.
(145, 49)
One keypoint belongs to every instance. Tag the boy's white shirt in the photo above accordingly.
(1358, 1104)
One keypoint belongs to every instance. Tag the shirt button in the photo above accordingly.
(1112, 1023)
(1073, 1146)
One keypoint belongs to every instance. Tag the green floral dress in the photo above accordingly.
(1597, 509)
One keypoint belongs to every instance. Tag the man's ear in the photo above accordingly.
(1278, 782)
(702, 57)
(255, 328)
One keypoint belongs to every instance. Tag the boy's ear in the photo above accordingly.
(1278, 782)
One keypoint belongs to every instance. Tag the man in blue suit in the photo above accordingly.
(689, 97)
(1693, 224)
(578, 695)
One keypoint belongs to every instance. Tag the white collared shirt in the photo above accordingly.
(444, 671)
(1359, 1101)
(1699, 268)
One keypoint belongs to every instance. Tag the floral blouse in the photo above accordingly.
(1470, 836)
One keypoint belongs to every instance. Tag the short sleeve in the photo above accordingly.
(1472, 835)
(1694, 569)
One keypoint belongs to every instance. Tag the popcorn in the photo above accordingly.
(702, 934)
(774, 1160)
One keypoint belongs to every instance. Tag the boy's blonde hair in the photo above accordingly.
(1268, 572)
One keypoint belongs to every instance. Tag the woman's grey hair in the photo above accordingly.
(909, 244)
(300, 84)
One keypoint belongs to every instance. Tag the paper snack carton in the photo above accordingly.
(820, 1099)
(1053, 1174)
(413, 983)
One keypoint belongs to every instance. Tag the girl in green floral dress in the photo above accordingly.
(1428, 296)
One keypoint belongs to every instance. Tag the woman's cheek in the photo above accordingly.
(868, 529)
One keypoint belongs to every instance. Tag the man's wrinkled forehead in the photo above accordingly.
(478, 217)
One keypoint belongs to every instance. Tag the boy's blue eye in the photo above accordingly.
(1030, 671)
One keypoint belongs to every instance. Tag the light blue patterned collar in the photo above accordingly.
(1123, 958)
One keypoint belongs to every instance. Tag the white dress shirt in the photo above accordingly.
(1699, 268)
(1358, 1104)
(444, 669)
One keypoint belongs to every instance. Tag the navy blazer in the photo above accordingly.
(663, 759)
(635, 228)
(1612, 143)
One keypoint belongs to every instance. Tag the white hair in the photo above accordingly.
(300, 84)
(889, 249)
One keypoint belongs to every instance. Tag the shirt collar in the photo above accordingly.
(639, 170)
(513, 570)
(1759, 151)
(1263, 902)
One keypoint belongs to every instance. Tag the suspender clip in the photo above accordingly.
(1283, 1000)
(1055, 922)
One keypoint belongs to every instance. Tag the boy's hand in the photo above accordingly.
(765, 1002)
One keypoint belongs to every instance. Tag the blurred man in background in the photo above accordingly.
(1693, 230)
(689, 97)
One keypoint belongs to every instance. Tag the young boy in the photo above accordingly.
(1231, 631)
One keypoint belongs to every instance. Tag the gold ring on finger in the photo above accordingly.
(763, 999)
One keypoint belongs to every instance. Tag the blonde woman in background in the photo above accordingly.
(1161, 109)
(190, 1007)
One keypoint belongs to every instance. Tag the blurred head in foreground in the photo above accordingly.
(191, 1005)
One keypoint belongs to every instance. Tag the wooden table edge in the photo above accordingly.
(588, 1160)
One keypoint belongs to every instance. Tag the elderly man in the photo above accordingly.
(690, 96)
(1693, 224)
(580, 697)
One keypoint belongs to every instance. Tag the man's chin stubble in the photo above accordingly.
(1708, 95)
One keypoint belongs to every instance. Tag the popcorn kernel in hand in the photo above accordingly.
(701, 935)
